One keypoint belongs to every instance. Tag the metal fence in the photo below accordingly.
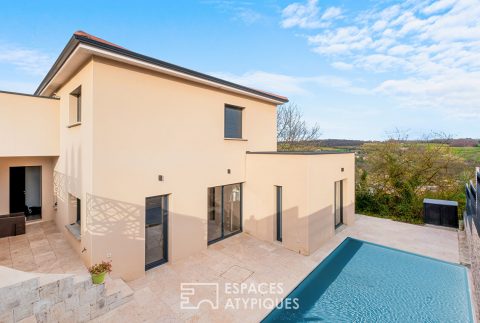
(472, 207)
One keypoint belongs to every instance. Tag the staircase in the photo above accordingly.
(38, 297)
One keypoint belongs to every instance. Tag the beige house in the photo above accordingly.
(143, 162)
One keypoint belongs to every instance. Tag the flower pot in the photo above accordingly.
(98, 278)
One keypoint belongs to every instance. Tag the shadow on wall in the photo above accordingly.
(302, 234)
(117, 229)
(65, 183)
(107, 215)
(60, 187)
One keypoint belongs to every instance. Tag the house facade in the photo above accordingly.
(143, 162)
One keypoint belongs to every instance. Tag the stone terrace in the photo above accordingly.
(243, 258)
(42, 249)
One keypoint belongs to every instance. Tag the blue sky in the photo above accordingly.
(360, 69)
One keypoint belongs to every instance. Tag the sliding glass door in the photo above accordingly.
(338, 205)
(224, 211)
(156, 231)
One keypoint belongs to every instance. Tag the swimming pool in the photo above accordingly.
(364, 282)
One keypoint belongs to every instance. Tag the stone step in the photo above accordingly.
(117, 292)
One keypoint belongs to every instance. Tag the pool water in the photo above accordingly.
(364, 282)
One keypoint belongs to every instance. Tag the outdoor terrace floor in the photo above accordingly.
(42, 249)
(243, 258)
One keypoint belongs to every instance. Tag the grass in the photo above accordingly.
(471, 154)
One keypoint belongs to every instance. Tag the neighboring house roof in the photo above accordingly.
(83, 44)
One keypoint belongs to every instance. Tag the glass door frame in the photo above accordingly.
(223, 236)
(279, 212)
(165, 216)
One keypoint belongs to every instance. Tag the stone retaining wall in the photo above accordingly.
(57, 298)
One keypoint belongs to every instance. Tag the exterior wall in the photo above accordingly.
(137, 125)
(47, 164)
(146, 125)
(324, 171)
(73, 170)
(264, 172)
(307, 201)
(28, 126)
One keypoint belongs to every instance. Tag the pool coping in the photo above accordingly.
(467, 273)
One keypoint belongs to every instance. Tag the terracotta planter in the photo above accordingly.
(98, 278)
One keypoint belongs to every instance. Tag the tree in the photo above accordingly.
(292, 130)
(396, 175)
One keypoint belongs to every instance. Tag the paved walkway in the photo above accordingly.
(243, 258)
(42, 249)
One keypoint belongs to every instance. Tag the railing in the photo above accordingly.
(472, 207)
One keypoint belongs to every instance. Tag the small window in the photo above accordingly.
(75, 113)
(279, 212)
(79, 210)
(233, 122)
(74, 209)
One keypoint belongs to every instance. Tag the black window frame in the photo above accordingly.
(165, 218)
(335, 204)
(225, 128)
(79, 107)
(279, 211)
(79, 211)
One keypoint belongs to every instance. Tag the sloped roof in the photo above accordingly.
(81, 37)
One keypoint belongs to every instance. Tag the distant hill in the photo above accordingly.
(463, 142)
(339, 143)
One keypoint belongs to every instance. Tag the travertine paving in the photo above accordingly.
(43, 249)
(243, 258)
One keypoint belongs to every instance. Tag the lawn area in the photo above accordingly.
(470, 154)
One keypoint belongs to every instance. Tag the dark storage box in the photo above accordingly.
(440, 212)
(12, 224)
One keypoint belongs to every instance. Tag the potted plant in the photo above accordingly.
(98, 271)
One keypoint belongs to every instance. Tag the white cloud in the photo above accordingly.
(340, 41)
(278, 83)
(342, 66)
(455, 95)
(29, 60)
(400, 50)
(332, 13)
(438, 6)
(307, 15)
(431, 47)
(291, 85)
(239, 10)
(248, 16)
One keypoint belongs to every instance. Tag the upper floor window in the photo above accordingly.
(75, 109)
(233, 122)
